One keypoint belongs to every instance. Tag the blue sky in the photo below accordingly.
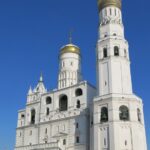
(31, 34)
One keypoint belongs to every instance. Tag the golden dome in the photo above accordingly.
(70, 48)
(104, 3)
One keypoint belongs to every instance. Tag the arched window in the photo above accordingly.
(104, 114)
(124, 113)
(33, 116)
(105, 52)
(79, 92)
(63, 103)
(48, 100)
(22, 116)
(78, 104)
(116, 51)
(139, 115)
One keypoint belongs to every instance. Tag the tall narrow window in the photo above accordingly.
(115, 12)
(30, 132)
(63, 103)
(104, 142)
(78, 104)
(106, 12)
(116, 51)
(110, 11)
(104, 114)
(105, 52)
(125, 53)
(46, 131)
(77, 139)
(47, 111)
(125, 143)
(139, 115)
(77, 125)
(124, 113)
(64, 141)
(33, 116)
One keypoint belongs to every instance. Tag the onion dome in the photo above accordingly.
(70, 48)
(105, 3)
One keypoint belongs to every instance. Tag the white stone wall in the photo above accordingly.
(57, 126)
(116, 134)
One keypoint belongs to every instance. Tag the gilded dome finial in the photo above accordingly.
(105, 3)
(70, 48)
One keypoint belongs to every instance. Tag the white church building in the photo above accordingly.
(78, 116)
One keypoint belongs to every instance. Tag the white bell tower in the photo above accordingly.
(69, 66)
(112, 52)
(118, 119)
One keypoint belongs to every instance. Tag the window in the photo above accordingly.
(64, 141)
(78, 92)
(22, 116)
(125, 142)
(106, 12)
(63, 103)
(139, 115)
(104, 142)
(77, 125)
(124, 113)
(47, 111)
(30, 132)
(110, 11)
(33, 116)
(105, 35)
(105, 52)
(115, 12)
(48, 100)
(78, 104)
(77, 139)
(104, 114)
(125, 53)
(46, 131)
(116, 51)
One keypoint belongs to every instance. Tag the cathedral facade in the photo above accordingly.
(78, 116)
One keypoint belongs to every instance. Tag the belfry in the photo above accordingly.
(79, 116)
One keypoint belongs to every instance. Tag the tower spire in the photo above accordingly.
(30, 91)
(70, 37)
(41, 77)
